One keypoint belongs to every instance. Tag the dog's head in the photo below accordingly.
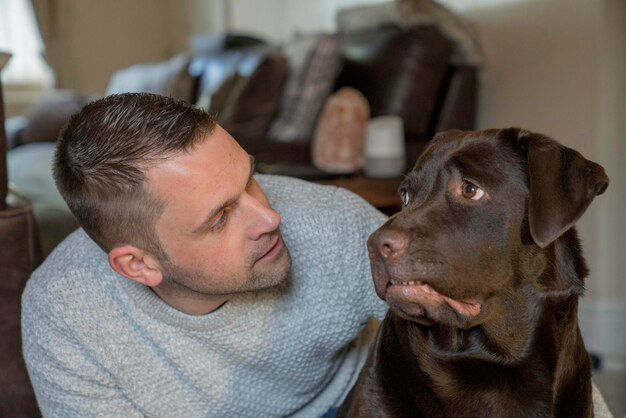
(481, 211)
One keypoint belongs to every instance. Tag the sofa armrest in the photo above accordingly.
(13, 127)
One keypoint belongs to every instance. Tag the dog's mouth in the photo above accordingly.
(416, 289)
(418, 301)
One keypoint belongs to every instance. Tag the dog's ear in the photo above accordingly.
(562, 185)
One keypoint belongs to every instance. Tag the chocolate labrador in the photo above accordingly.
(482, 270)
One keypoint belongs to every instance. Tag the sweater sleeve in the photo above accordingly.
(66, 380)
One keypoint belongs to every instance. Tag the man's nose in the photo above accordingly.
(263, 219)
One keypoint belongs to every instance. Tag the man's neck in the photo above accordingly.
(191, 305)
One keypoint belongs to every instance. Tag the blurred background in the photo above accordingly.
(553, 66)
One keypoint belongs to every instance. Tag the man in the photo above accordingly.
(193, 288)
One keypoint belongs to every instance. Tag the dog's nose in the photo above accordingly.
(389, 243)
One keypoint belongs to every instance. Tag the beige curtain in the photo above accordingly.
(47, 14)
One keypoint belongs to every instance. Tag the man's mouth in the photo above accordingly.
(276, 244)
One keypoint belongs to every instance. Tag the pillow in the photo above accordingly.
(306, 90)
(415, 70)
(400, 72)
(169, 78)
(250, 105)
(46, 117)
(242, 89)
(297, 50)
(222, 100)
(213, 72)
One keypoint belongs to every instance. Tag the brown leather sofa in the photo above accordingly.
(19, 255)
(404, 72)
(401, 71)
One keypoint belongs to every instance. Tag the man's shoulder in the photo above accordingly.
(72, 266)
(294, 189)
(289, 195)
(77, 251)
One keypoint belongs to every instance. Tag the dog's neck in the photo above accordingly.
(503, 339)
(530, 334)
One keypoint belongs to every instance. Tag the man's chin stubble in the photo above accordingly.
(267, 280)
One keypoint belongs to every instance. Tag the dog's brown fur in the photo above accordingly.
(489, 327)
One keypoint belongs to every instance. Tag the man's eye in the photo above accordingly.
(221, 221)
(471, 191)
(405, 196)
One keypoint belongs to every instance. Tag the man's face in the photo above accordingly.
(217, 228)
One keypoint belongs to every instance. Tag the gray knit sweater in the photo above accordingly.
(97, 344)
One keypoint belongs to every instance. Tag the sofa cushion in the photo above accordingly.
(306, 92)
(13, 126)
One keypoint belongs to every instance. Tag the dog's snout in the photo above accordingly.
(389, 243)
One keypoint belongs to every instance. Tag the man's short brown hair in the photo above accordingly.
(102, 156)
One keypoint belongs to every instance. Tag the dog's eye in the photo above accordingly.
(405, 196)
(471, 191)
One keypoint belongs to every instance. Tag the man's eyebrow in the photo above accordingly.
(228, 202)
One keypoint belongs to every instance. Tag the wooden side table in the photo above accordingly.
(380, 193)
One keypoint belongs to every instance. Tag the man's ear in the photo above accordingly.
(562, 185)
(136, 264)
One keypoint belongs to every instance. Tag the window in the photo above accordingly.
(20, 36)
